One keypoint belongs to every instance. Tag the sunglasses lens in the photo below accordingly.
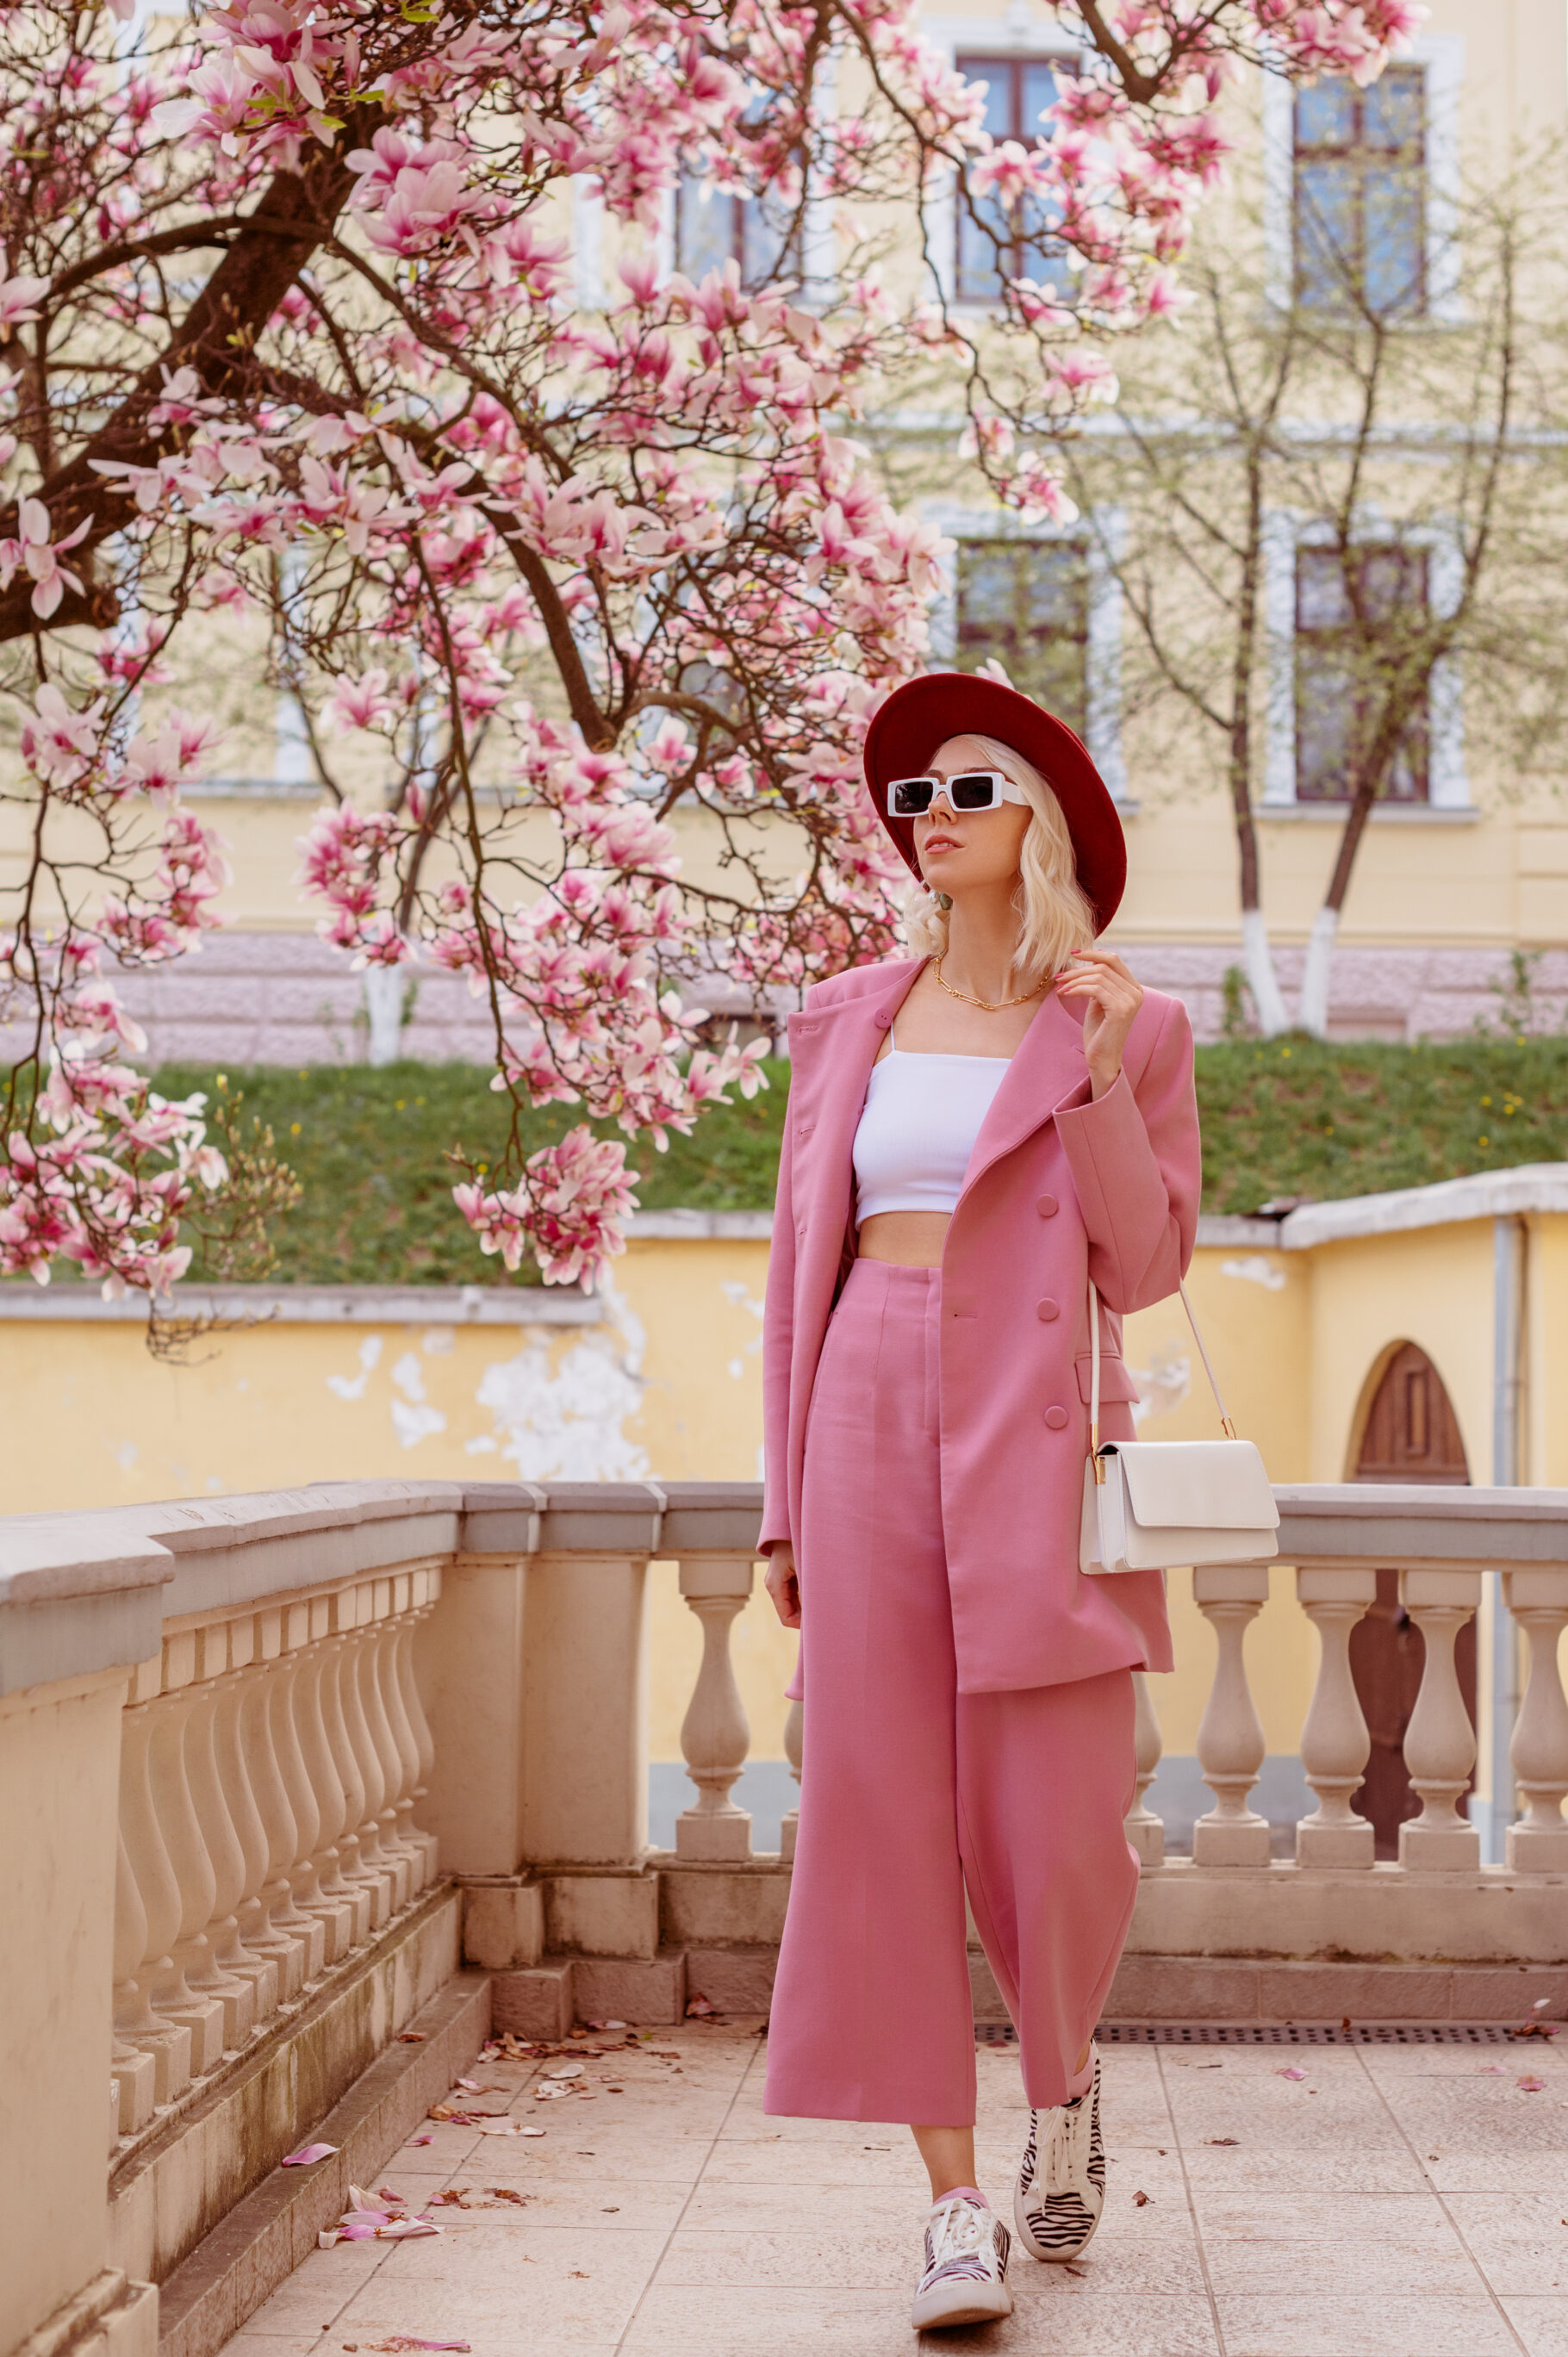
(910, 796)
(972, 790)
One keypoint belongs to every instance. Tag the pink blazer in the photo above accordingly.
(1060, 1187)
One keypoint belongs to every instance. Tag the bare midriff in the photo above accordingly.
(909, 1238)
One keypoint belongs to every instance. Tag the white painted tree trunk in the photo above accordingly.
(1312, 1014)
(1257, 964)
(386, 998)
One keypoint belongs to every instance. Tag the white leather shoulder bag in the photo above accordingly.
(1151, 1503)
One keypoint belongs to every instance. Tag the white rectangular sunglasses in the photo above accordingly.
(970, 789)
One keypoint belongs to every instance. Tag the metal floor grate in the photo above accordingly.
(1286, 2033)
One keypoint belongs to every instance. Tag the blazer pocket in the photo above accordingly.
(1116, 1382)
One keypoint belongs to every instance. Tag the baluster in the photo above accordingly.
(232, 1955)
(714, 1735)
(313, 1676)
(336, 1922)
(211, 1978)
(1231, 1738)
(1143, 1829)
(281, 1931)
(1537, 1844)
(369, 1833)
(794, 1752)
(409, 1862)
(134, 2072)
(1335, 1743)
(1440, 1742)
(369, 1890)
(424, 1742)
(168, 2042)
(172, 1994)
(392, 1873)
(399, 1666)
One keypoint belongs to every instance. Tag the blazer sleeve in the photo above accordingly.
(777, 1350)
(1136, 1163)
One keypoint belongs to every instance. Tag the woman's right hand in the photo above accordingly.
(782, 1584)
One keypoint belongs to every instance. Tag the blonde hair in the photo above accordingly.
(1055, 917)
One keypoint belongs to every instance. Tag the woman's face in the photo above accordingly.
(963, 851)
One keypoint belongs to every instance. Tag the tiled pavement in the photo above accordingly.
(1397, 2202)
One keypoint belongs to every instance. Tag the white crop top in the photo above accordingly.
(917, 1133)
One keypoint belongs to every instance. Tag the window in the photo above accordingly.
(714, 226)
(1360, 193)
(1026, 602)
(1018, 91)
(1345, 668)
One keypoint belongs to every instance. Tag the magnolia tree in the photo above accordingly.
(292, 328)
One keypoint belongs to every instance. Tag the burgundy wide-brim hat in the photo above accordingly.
(924, 713)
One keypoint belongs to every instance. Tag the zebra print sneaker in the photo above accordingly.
(1060, 2190)
(965, 2275)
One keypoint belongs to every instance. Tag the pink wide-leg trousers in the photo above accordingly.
(912, 1792)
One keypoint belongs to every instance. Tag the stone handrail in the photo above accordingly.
(309, 1703)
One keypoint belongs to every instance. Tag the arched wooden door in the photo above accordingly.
(1410, 1435)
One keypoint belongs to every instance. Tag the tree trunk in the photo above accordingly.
(386, 1005)
(1257, 964)
(1313, 1008)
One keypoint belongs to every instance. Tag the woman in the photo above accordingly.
(972, 1134)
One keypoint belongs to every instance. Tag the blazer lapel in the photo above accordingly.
(1048, 1065)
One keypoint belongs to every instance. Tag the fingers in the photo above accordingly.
(1100, 975)
(1096, 964)
(784, 1591)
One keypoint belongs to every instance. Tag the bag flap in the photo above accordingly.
(1197, 1485)
(1116, 1382)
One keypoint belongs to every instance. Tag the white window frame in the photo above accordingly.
(1017, 34)
(1101, 533)
(1447, 776)
(1441, 57)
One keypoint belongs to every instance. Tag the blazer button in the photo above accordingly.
(883, 1020)
(1046, 1310)
(1047, 1206)
(1056, 1419)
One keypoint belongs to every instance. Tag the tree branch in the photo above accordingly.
(216, 341)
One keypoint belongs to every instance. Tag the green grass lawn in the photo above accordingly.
(1290, 1117)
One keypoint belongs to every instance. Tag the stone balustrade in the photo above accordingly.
(247, 1743)
(1333, 1538)
(271, 1761)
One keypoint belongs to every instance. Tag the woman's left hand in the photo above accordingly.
(1112, 998)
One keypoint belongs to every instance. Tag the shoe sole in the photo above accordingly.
(1049, 2258)
(935, 2314)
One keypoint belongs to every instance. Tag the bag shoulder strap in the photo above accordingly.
(1226, 1426)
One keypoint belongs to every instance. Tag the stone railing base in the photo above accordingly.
(111, 2317)
(544, 2000)
(1290, 1989)
(263, 2238)
(184, 2174)
(637, 1944)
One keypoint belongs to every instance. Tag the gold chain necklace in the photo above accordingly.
(988, 1006)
